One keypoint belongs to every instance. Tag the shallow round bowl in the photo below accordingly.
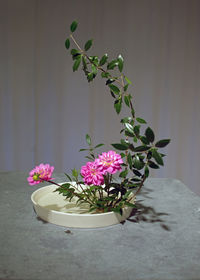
(56, 209)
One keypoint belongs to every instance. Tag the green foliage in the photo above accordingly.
(73, 26)
(162, 143)
(114, 88)
(76, 64)
(120, 62)
(118, 105)
(88, 45)
(103, 59)
(67, 43)
(149, 134)
(139, 151)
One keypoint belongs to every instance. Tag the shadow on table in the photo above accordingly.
(142, 213)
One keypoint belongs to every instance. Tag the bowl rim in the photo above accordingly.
(70, 214)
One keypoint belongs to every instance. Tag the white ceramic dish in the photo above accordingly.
(54, 208)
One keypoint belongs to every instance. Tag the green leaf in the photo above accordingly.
(127, 194)
(68, 177)
(67, 43)
(76, 64)
(157, 157)
(146, 171)
(137, 173)
(119, 146)
(95, 60)
(127, 100)
(105, 75)
(120, 63)
(135, 139)
(129, 127)
(75, 173)
(74, 51)
(141, 148)
(118, 105)
(109, 81)
(88, 139)
(99, 145)
(111, 65)
(130, 160)
(90, 76)
(153, 165)
(128, 81)
(137, 129)
(103, 59)
(73, 26)
(82, 150)
(84, 63)
(88, 45)
(140, 120)
(123, 174)
(133, 113)
(149, 134)
(162, 143)
(149, 155)
(144, 140)
(126, 87)
(114, 88)
(94, 69)
(129, 204)
(126, 120)
(137, 163)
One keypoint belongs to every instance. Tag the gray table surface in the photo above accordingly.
(160, 241)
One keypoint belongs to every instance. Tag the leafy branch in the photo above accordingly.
(141, 151)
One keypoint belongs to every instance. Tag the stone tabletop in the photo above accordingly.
(160, 241)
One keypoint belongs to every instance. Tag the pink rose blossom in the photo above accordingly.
(109, 162)
(40, 173)
(91, 174)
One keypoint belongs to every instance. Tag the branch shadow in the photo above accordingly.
(142, 213)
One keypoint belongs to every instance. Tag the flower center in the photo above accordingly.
(108, 162)
(36, 177)
(93, 171)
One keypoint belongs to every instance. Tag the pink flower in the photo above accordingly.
(40, 173)
(109, 162)
(91, 174)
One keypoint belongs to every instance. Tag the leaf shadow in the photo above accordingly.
(147, 214)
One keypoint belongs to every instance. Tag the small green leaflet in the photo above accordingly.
(67, 43)
(162, 143)
(103, 59)
(88, 45)
(88, 139)
(118, 105)
(76, 64)
(73, 26)
(129, 127)
(120, 62)
(98, 146)
(157, 157)
(121, 147)
(128, 81)
(111, 65)
(140, 120)
(114, 88)
(149, 134)
(123, 174)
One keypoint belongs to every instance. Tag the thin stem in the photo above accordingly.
(76, 43)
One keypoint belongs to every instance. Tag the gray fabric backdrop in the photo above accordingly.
(45, 109)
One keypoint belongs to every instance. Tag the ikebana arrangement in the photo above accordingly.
(109, 181)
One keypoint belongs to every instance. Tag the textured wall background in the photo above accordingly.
(46, 110)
